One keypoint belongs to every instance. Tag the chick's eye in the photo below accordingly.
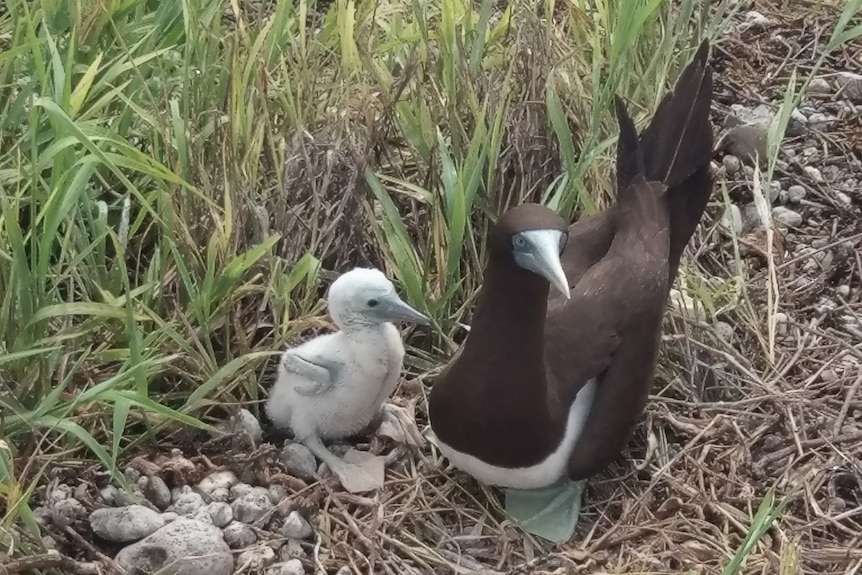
(372, 303)
(519, 241)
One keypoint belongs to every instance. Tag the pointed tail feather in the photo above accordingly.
(676, 150)
(630, 159)
(641, 202)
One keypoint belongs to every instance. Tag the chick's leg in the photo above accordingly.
(316, 446)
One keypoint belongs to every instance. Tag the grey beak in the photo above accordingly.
(543, 257)
(392, 308)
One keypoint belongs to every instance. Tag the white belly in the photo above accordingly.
(546, 472)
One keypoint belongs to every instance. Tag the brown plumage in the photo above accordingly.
(505, 398)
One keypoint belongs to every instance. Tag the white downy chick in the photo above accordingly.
(334, 385)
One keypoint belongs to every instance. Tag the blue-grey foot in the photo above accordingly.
(550, 513)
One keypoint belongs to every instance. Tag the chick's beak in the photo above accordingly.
(393, 308)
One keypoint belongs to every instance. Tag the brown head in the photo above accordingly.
(532, 237)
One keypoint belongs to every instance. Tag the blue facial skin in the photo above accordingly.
(539, 251)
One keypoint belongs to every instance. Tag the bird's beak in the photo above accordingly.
(392, 308)
(542, 256)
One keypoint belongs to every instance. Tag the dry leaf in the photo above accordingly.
(399, 424)
(361, 471)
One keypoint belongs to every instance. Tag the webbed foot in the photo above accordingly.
(551, 513)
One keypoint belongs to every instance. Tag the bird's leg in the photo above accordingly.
(316, 446)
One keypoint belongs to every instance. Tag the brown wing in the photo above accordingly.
(583, 336)
(629, 289)
(609, 329)
(580, 343)
(588, 242)
(626, 298)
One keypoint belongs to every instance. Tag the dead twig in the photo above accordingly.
(50, 561)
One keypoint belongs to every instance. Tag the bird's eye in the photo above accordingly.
(372, 303)
(519, 241)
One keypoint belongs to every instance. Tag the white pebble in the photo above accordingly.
(813, 173)
(786, 217)
(781, 323)
(188, 504)
(239, 490)
(218, 480)
(299, 461)
(42, 516)
(820, 118)
(819, 86)
(132, 474)
(125, 524)
(755, 19)
(135, 498)
(58, 493)
(277, 493)
(731, 164)
(252, 506)
(246, 422)
(724, 331)
(732, 219)
(238, 535)
(220, 512)
(256, 558)
(220, 494)
(774, 190)
(179, 491)
(797, 124)
(296, 527)
(682, 303)
(292, 567)
(108, 495)
(292, 549)
(156, 491)
(49, 543)
(850, 84)
(182, 546)
(67, 511)
(796, 193)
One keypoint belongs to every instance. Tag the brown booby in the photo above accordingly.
(545, 392)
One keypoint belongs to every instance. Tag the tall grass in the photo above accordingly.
(176, 179)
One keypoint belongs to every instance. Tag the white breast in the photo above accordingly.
(544, 473)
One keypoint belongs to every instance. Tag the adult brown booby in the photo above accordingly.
(545, 392)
